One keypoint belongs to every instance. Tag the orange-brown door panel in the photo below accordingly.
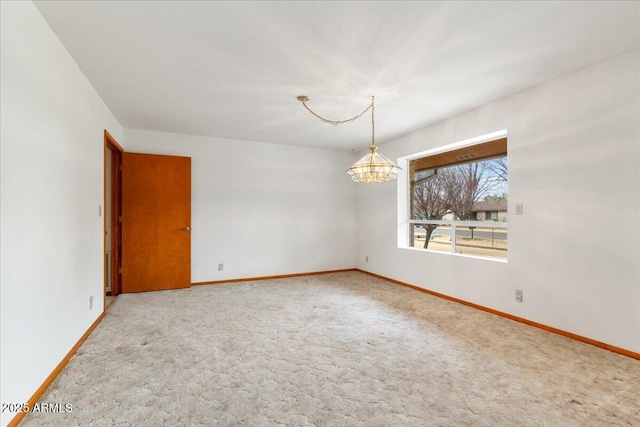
(156, 222)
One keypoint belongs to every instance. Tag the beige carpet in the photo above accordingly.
(339, 349)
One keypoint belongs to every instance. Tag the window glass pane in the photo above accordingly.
(482, 241)
(454, 188)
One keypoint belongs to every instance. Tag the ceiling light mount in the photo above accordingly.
(372, 168)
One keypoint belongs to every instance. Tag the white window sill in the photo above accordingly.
(500, 260)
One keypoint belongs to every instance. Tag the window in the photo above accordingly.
(457, 200)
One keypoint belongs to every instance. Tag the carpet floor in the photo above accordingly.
(342, 349)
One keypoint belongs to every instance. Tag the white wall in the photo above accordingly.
(574, 162)
(51, 188)
(262, 209)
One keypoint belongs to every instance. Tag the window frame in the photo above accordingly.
(404, 221)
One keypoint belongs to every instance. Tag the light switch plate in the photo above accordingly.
(519, 209)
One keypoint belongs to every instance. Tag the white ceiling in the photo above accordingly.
(234, 69)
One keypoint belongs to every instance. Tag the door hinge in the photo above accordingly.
(119, 270)
(120, 218)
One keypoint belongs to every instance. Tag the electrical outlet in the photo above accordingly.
(366, 259)
(90, 303)
(519, 209)
(220, 267)
(519, 295)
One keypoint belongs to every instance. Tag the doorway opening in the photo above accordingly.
(112, 216)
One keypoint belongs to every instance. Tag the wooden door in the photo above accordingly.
(156, 222)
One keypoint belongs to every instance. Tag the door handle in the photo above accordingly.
(187, 229)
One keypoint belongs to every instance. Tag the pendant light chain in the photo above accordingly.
(304, 100)
(373, 123)
(372, 147)
(373, 167)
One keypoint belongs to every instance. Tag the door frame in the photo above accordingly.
(116, 211)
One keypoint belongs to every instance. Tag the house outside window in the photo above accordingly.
(491, 210)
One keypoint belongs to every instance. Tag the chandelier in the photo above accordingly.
(373, 167)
